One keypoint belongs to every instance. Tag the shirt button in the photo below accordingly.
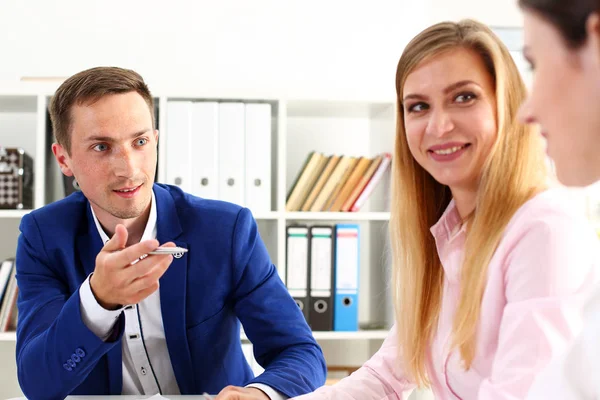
(143, 371)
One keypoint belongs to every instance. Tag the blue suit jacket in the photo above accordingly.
(226, 277)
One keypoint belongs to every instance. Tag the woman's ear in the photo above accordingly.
(591, 48)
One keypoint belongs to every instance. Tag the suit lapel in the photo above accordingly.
(173, 286)
(89, 244)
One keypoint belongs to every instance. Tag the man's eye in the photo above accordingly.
(141, 141)
(100, 147)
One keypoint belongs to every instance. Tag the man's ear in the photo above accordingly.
(62, 157)
(156, 136)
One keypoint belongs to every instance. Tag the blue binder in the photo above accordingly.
(347, 261)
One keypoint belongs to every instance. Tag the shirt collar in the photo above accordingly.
(149, 231)
(450, 223)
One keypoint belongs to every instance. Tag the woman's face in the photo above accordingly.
(449, 107)
(565, 99)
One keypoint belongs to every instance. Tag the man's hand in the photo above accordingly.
(241, 393)
(116, 282)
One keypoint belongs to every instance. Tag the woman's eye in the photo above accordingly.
(418, 107)
(464, 97)
(100, 147)
(141, 141)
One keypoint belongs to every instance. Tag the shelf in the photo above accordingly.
(358, 335)
(266, 215)
(18, 104)
(338, 216)
(337, 109)
(13, 213)
(8, 336)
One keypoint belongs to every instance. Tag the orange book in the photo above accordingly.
(359, 170)
(340, 184)
(358, 188)
(332, 181)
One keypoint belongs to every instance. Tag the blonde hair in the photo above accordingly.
(514, 171)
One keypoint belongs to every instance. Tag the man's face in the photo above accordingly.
(113, 155)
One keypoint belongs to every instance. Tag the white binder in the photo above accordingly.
(258, 157)
(178, 149)
(231, 152)
(204, 145)
(297, 266)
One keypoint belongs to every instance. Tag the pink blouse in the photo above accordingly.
(538, 278)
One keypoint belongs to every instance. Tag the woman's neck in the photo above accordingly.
(465, 200)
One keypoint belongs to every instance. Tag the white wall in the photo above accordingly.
(492, 12)
(332, 49)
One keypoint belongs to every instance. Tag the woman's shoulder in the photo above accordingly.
(549, 247)
(555, 206)
(553, 218)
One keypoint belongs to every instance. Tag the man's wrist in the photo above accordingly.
(103, 304)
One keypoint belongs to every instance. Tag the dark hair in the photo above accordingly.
(569, 17)
(87, 87)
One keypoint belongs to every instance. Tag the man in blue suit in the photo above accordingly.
(98, 315)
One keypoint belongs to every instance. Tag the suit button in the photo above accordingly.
(67, 367)
(71, 363)
(80, 352)
(143, 371)
(75, 358)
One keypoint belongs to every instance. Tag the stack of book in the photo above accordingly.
(8, 295)
(336, 183)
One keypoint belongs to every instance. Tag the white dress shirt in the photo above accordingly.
(146, 362)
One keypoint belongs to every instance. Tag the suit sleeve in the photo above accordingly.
(283, 342)
(55, 349)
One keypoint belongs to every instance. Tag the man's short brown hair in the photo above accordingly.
(87, 87)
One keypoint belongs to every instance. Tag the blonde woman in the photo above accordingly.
(490, 266)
